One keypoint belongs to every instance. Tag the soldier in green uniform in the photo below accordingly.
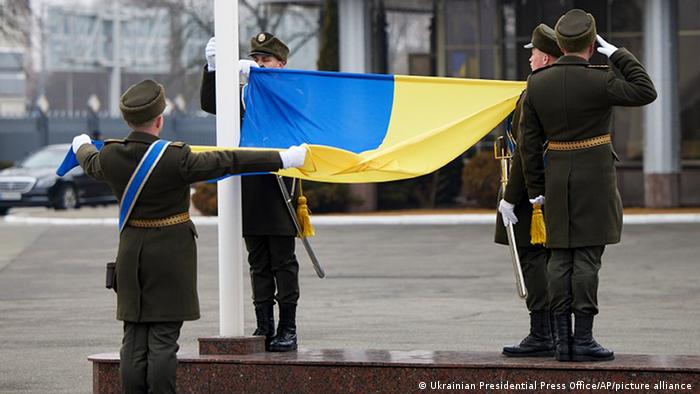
(516, 208)
(569, 104)
(268, 230)
(157, 255)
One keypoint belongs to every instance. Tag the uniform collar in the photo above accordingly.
(571, 59)
(140, 136)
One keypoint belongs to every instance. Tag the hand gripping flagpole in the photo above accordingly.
(304, 240)
(502, 153)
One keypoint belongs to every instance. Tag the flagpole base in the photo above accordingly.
(221, 346)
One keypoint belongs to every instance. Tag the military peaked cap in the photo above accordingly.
(544, 39)
(142, 102)
(267, 44)
(575, 30)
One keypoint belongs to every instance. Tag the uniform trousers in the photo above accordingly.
(273, 267)
(533, 260)
(148, 361)
(573, 280)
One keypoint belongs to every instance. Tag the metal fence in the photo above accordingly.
(20, 136)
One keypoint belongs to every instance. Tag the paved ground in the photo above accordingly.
(390, 287)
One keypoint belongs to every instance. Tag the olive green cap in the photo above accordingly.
(267, 44)
(575, 30)
(544, 39)
(142, 102)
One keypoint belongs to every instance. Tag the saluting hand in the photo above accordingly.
(605, 47)
(210, 54)
(507, 211)
(294, 156)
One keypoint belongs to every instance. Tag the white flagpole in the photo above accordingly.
(229, 190)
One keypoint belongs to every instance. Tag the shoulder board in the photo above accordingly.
(114, 140)
(543, 68)
(603, 67)
(177, 144)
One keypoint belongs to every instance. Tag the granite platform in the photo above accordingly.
(384, 371)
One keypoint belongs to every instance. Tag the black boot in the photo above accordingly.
(585, 347)
(286, 338)
(265, 316)
(538, 343)
(562, 338)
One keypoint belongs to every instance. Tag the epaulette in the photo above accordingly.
(543, 68)
(114, 140)
(603, 67)
(177, 144)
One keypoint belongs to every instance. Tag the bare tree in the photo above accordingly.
(15, 21)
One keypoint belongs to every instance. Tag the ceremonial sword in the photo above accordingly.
(502, 153)
(304, 240)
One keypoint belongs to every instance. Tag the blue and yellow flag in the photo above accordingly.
(368, 127)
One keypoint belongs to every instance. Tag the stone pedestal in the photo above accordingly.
(370, 371)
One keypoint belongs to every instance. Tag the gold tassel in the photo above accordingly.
(538, 233)
(304, 215)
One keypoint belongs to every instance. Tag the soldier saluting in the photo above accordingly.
(569, 104)
(157, 256)
(515, 208)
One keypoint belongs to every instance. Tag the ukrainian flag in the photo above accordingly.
(369, 127)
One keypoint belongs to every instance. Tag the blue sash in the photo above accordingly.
(139, 178)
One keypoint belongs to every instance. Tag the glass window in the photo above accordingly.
(689, 95)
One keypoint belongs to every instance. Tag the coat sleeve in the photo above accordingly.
(515, 189)
(89, 158)
(202, 166)
(207, 92)
(530, 142)
(636, 88)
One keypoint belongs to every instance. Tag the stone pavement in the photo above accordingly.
(394, 287)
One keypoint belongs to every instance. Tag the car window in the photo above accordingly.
(44, 158)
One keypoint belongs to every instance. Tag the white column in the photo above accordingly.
(353, 32)
(229, 190)
(662, 128)
(115, 81)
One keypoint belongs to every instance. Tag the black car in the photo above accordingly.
(33, 182)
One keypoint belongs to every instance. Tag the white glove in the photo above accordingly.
(605, 47)
(244, 66)
(210, 54)
(79, 141)
(507, 212)
(539, 200)
(293, 157)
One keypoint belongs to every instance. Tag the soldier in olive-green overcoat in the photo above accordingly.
(268, 229)
(157, 255)
(569, 104)
(516, 208)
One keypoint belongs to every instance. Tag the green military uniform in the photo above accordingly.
(570, 105)
(533, 258)
(157, 267)
(268, 229)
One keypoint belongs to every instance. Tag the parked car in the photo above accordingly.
(33, 182)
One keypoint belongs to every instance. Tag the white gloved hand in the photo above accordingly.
(244, 66)
(293, 157)
(507, 212)
(605, 47)
(539, 200)
(79, 141)
(210, 54)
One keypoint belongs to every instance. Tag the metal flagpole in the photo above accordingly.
(229, 190)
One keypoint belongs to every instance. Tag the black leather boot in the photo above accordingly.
(585, 347)
(538, 343)
(265, 316)
(286, 338)
(563, 337)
